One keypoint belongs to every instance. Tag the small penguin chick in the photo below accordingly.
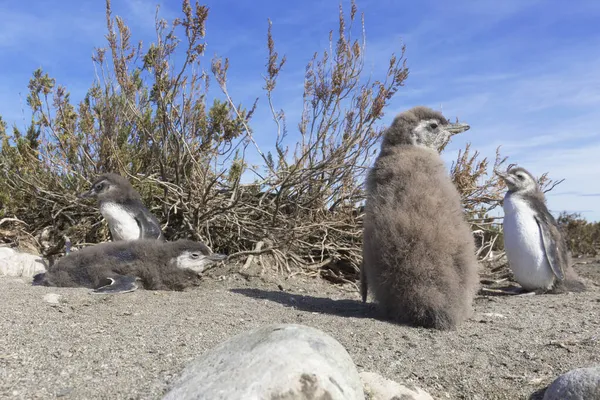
(121, 205)
(115, 267)
(535, 247)
(418, 249)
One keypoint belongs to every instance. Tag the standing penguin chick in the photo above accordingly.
(121, 205)
(418, 253)
(114, 267)
(536, 249)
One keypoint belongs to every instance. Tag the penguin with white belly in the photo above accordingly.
(122, 207)
(535, 247)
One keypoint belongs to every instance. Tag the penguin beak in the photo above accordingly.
(85, 195)
(457, 128)
(501, 175)
(216, 257)
(509, 180)
(210, 261)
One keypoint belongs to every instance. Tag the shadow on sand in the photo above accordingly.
(324, 305)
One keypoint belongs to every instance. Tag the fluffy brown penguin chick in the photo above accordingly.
(418, 254)
(115, 267)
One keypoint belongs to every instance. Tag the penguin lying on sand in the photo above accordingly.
(121, 205)
(535, 247)
(115, 267)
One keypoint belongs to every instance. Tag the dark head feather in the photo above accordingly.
(403, 125)
(113, 187)
(421, 126)
(182, 245)
(519, 180)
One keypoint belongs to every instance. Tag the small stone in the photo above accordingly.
(577, 384)
(379, 388)
(494, 315)
(535, 381)
(52, 298)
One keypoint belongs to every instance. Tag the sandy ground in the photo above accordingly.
(134, 345)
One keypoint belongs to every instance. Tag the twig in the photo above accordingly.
(3, 220)
(257, 250)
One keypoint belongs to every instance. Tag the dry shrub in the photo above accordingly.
(147, 117)
(481, 191)
(583, 237)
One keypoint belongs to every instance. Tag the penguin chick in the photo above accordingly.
(535, 247)
(418, 250)
(121, 205)
(114, 267)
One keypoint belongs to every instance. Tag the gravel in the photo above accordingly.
(134, 345)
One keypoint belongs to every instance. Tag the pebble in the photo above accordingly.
(52, 298)
(379, 388)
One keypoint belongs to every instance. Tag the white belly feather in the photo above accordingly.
(121, 224)
(524, 246)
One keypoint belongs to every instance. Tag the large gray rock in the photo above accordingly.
(15, 263)
(577, 384)
(274, 362)
(379, 388)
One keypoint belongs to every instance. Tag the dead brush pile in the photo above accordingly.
(148, 117)
(583, 237)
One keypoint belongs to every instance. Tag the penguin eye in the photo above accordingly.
(521, 177)
(433, 125)
(99, 186)
(194, 256)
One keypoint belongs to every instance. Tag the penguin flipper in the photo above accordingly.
(117, 284)
(552, 252)
(148, 224)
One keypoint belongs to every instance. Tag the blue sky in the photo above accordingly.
(525, 74)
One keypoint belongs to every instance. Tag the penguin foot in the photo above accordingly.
(67, 245)
(39, 279)
(117, 284)
(508, 291)
(529, 294)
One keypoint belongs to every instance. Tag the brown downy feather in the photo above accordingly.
(419, 254)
